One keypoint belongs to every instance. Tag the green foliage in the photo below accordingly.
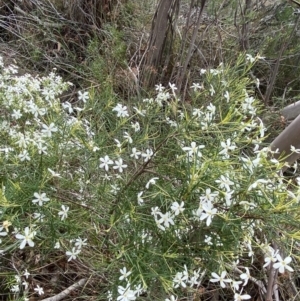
(170, 194)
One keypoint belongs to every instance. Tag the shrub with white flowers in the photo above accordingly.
(170, 195)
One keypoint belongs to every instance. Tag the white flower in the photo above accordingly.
(224, 182)
(282, 264)
(209, 196)
(235, 284)
(38, 216)
(105, 162)
(176, 208)
(26, 274)
(109, 296)
(48, 130)
(79, 242)
(238, 297)
(197, 112)
(159, 88)
(57, 245)
(16, 114)
(193, 149)
(83, 96)
(173, 87)
(42, 149)
(114, 188)
(68, 107)
(138, 289)
(221, 279)
(64, 212)
(212, 90)
(249, 164)
(136, 126)
(293, 196)
(250, 58)
(126, 293)
(121, 110)
(127, 137)
(140, 112)
(40, 198)
(172, 298)
(147, 155)
(15, 288)
(139, 198)
(270, 256)
(124, 274)
(26, 238)
(119, 165)
(248, 205)
(4, 233)
(227, 146)
(209, 212)
(196, 86)
(165, 219)
(48, 93)
(39, 290)
(179, 280)
(24, 156)
(194, 279)
(53, 173)
(73, 254)
(119, 144)
(226, 95)
(208, 240)
(135, 153)
(245, 276)
(295, 150)
(211, 108)
(228, 197)
(151, 181)
(155, 211)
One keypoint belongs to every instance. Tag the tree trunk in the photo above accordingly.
(153, 64)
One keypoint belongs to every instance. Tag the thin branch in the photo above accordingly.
(45, 24)
(271, 281)
(67, 291)
(191, 47)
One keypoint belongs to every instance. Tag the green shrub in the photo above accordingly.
(171, 194)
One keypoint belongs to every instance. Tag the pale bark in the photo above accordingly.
(160, 26)
(291, 111)
(67, 291)
(289, 137)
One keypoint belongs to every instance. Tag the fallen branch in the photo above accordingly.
(291, 111)
(67, 291)
(286, 139)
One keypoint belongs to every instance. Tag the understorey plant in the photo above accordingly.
(162, 198)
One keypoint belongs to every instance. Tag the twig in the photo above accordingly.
(271, 281)
(35, 18)
(67, 291)
(191, 47)
(244, 40)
